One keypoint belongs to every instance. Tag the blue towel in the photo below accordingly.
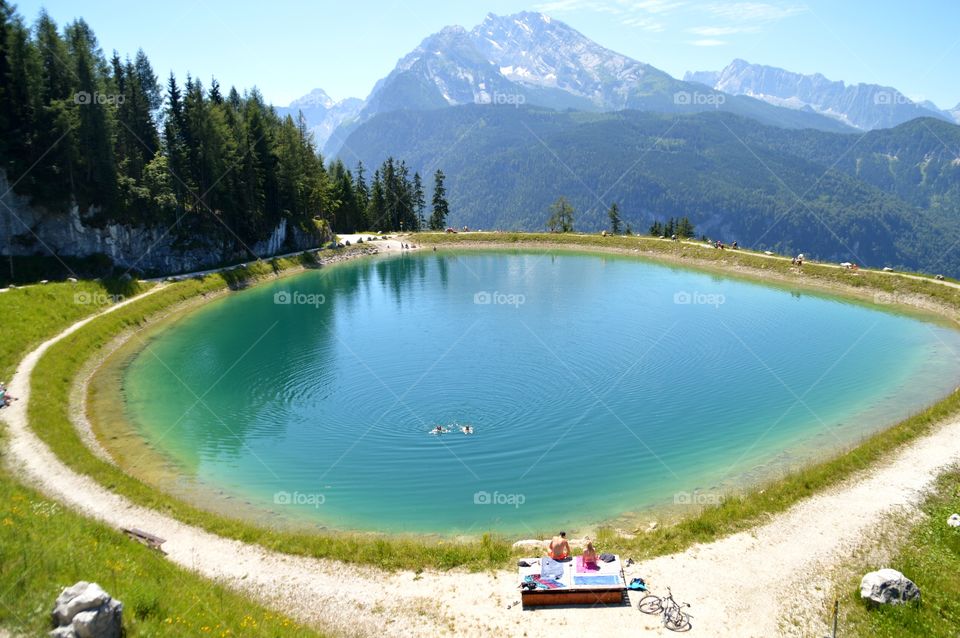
(550, 568)
(596, 580)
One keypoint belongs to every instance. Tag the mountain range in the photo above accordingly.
(530, 58)
(864, 106)
(322, 114)
(522, 109)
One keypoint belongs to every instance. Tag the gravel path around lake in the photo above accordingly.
(738, 586)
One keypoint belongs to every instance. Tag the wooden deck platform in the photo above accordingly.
(576, 587)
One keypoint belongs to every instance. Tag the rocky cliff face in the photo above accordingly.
(26, 230)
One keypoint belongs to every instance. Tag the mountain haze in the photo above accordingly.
(864, 106)
(322, 113)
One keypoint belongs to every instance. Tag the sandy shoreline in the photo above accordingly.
(734, 584)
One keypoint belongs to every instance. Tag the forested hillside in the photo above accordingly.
(212, 165)
(767, 187)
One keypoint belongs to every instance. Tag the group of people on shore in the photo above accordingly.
(5, 398)
(559, 549)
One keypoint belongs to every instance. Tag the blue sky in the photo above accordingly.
(287, 48)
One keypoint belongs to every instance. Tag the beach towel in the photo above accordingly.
(596, 580)
(583, 568)
(550, 568)
(543, 583)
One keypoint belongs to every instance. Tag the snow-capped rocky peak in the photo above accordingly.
(316, 97)
(447, 39)
(531, 48)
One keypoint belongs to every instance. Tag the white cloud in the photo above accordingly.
(647, 24)
(753, 11)
(653, 15)
(631, 13)
(714, 31)
(706, 43)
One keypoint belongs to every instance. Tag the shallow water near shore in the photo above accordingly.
(596, 385)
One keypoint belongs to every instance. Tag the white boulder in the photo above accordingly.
(888, 586)
(85, 610)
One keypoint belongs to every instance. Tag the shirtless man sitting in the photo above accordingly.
(559, 547)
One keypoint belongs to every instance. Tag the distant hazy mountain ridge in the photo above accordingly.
(322, 113)
(864, 106)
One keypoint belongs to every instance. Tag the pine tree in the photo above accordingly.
(376, 208)
(438, 218)
(148, 81)
(419, 201)
(614, 215)
(363, 197)
(93, 135)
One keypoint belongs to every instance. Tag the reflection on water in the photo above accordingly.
(614, 383)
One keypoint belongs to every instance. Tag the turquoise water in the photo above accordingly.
(595, 385)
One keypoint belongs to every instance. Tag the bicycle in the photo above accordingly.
(674, 618)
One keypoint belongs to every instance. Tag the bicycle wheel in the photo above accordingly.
(650, 604)
(677, 621)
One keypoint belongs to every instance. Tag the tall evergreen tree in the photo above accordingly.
(377, 207)
(363, 195)
(438, 218)
(419, 201)
(614, 215)
(95, 161)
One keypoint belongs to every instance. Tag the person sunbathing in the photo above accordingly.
(590, 556)
(559, 547)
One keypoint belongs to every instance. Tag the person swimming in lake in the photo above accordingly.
(466, 429)
(559, 548)
(438, 430)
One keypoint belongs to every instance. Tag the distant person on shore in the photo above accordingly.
(590, 555)
(5, 398)
(559, 547)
